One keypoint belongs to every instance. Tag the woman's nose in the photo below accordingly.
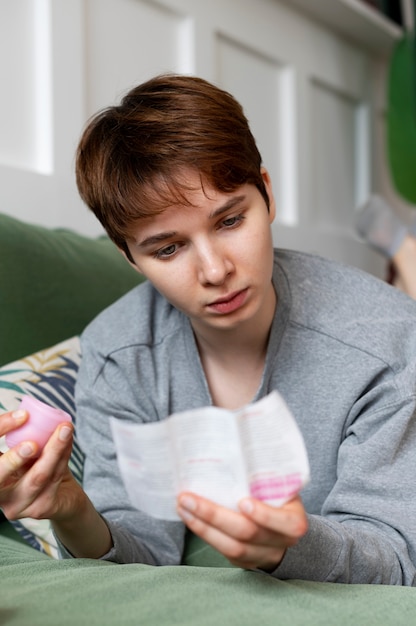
(214, 265)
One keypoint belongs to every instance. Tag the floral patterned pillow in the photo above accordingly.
(49, 376)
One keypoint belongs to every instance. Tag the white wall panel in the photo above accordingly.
(265, 86)
(338, 167)
(25, 68)
(128, 41)
(255, 81)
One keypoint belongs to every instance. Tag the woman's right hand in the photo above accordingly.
(41, 487)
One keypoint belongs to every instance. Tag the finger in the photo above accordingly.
(289, 520)
(243, 543)
(61, 439)
(198, 512)
(36, 489)
(15, 458)
(11, 420)
(13, 465)
(53, 461)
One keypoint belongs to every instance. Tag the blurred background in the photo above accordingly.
(312, 75)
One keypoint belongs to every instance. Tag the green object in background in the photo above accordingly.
(401, 118)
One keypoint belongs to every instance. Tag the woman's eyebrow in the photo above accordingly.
(154, 239)
(232, 202)
(160, 237)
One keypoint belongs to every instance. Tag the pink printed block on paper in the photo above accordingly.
(276, 488)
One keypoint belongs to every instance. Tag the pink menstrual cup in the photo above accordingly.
(41, 423)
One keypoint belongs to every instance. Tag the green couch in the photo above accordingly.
(52, 282)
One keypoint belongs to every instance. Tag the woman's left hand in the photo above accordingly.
(256, 536)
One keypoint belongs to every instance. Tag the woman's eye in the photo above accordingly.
(166, 252)
(232, 221)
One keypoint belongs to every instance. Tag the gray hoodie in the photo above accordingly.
(342, 352)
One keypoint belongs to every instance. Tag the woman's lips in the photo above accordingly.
(230, 303)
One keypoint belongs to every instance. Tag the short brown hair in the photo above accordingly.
(131, 158)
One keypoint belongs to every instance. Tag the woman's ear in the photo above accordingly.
(268, 184)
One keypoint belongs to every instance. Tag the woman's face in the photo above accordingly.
(213, 259)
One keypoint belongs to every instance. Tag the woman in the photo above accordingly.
(174, 175)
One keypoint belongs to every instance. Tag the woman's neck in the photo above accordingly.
(233, 360)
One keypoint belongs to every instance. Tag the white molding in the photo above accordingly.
(355, 20)
(408, 14)
(43, 98)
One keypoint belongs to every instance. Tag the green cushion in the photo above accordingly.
(52, 283)
(41, 591)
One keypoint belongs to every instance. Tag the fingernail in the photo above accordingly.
(188, 503)
(19, 414)
(26, 450)
(65, 433)
(246, 506)
(185, 515)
